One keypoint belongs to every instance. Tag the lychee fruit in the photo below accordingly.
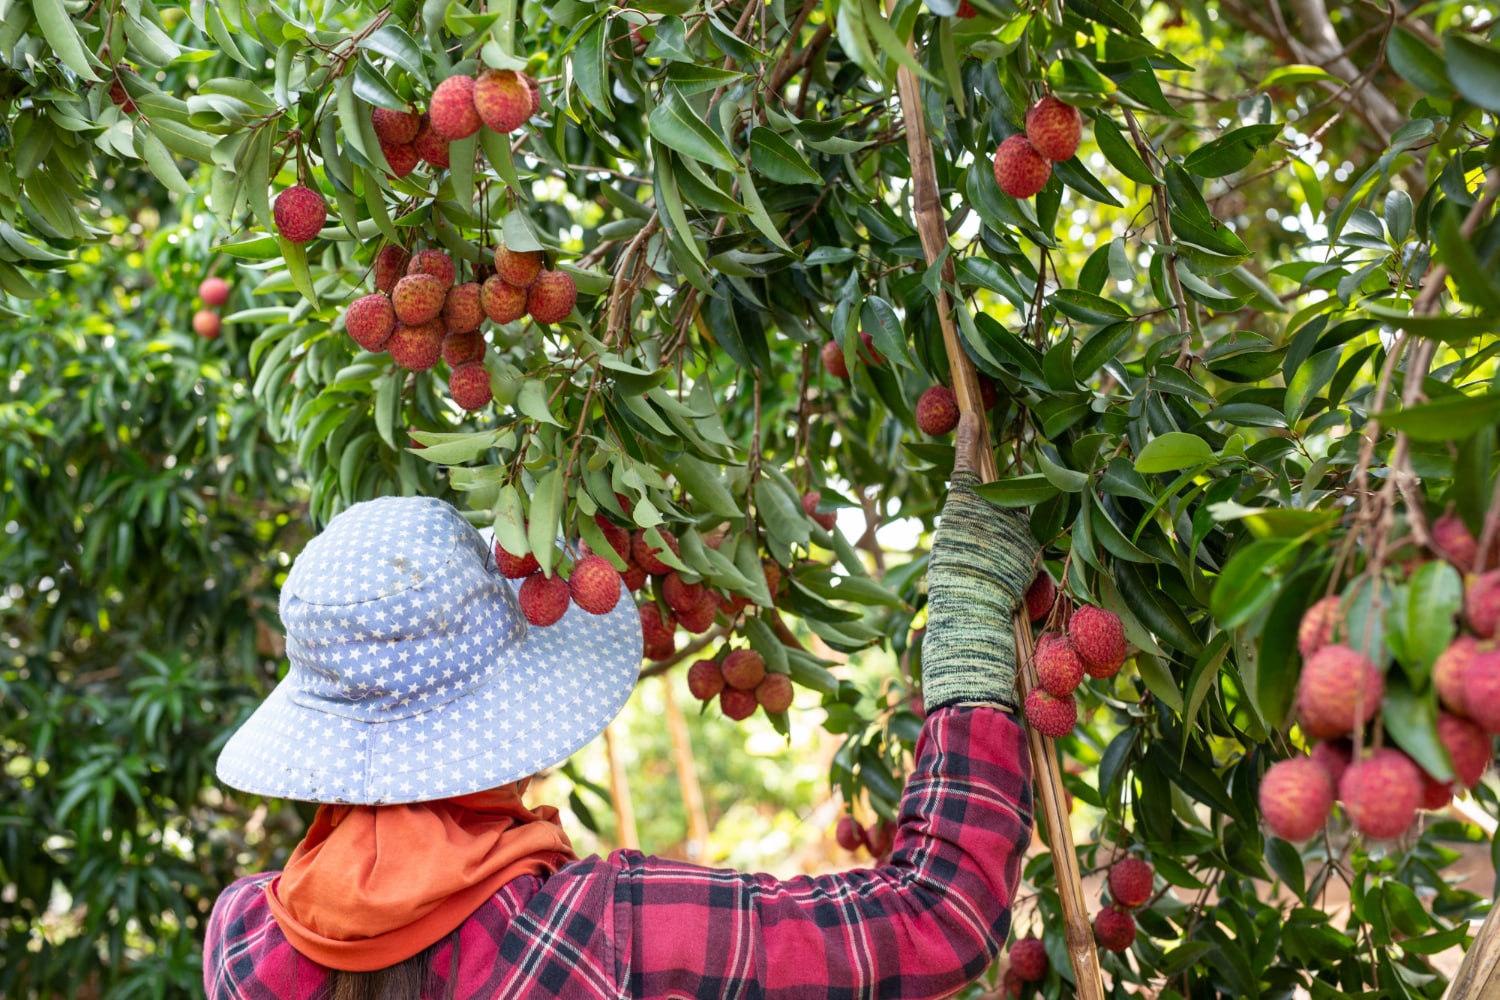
(435, 263)
(634, 577)
(1333, 756)
(774, 693)
(989, 393)
(416, 346)
(1296, 796)
(514, 567)
(1482, 604)
(937, 411)
(390, 267)
(1339, 691)
(519, 267)
(207, 324)
(1114, 928)
(700, 617)
(1098, 636)
(452, 109)
(419, 298)
(395, 127)
(1020, 170)
(1028, 959)
(867, 353)
(744, 669)
(1448, 672)
(657, 626)
(736, 704)
(1454, 542)
(543, 599)
(370, 320)
(679, 595)
(461, 349)
(1054, 128)
(299, 214)
(461, 310)
(618, 537)
(430, 146)
(550, 298)
(1040, 596)
(880, 837)
(1131, 882)
(1469, 747)
(400, 157)
(503, 100)
(810, 503)
(501, 301)
(1381, 793)
(1482, 689)
(595, 585)
(213, 291)
(1435, 794)
(832, 356)
(705, 679)
(1011, 984)
(121, 97)
(965, 10)
(1058, 665)
(536, 94)
(1317, 626)
(772, 573)
(469, 386)
(1050, 715)
(848, 834)
(645, 553)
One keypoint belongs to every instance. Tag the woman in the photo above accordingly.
(419, 703)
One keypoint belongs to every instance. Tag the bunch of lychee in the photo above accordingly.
(1023, 162)
(499, 99)
(592, 584)
(1131, 883)
(1094, 644)
(877, 838)
(740, 680)
(213, 292)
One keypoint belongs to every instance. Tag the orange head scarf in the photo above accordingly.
(370, 886)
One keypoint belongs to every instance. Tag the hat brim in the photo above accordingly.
(555, 691)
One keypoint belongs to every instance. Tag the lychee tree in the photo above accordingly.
(1235, 350)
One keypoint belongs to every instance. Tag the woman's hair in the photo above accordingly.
(412, 979)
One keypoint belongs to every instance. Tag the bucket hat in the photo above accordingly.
(414, 675)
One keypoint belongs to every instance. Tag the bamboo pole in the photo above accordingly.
(928, 209)
(619, 792)
(687, 773)
(1478, 978)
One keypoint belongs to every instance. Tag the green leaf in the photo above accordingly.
(675, 125)
(1476, 283)
(453, 449)
(1451, 418)
(62, 37)
(1296, 73)
(160, 161)
(1172, 451)
(1018, 491)
(395, 44)
(1120, 152)
(545, 518)
(1250, 580)
(884, 327)
(1448, 329)
(1104, 344)
(372, 88)
(1231, 151)
(1426, 619)
(773, 156)
(1086, 307)
(591, 66)
(1411, 721)
(1474, 69)
(1416, 63)
(1159, 680)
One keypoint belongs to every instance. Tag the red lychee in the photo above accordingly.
(634, 577)
(832, 356)
(469, 385)
(207, 324)
(1317, 626)
(1054, 128)
(1058, 665)
(536, 94)
(1050, 715)
(1333, 756)
(1435, 794)
(1098, 636)
(1296, 796)
(121, 97)
(1131, 881)
(937, 411)
(461, 349)
(1448, 672)
(501, 301)
(1028, 959)
(645, 553)
(401, 157)
(989, 393)
(419, 298)
(679, 595)
(810, 503)
(390, 267)
(1482, 689)
(657, 626)
(519, 267)
(772, 573)
(431, 147)
(595, 585)
(659, 650)
(700, 617)
(736, 704)
(395, 127)
(1454, 542)
(503, 100)
(550, 298)
(435, 263)
(1339, 691)
(543, 599)
(1482, 604)
(514, 567)
(1040, 596)
(370, 320)
(848, 834)
(1114, 928)
(416, 346)
(618, 537)
(461, 310)
(705, 679)
(965, 10)
(452, 110)
(1011, 984)
(1381, 793)
(1469, 747)
(1020, 170)
(867, 352)
(774, 693)
(213, 291)
(879, 838)
(744, 669)
(299, 214)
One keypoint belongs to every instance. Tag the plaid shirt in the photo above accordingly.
(630, 925)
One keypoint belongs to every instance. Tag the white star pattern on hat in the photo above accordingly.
(414, 675)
